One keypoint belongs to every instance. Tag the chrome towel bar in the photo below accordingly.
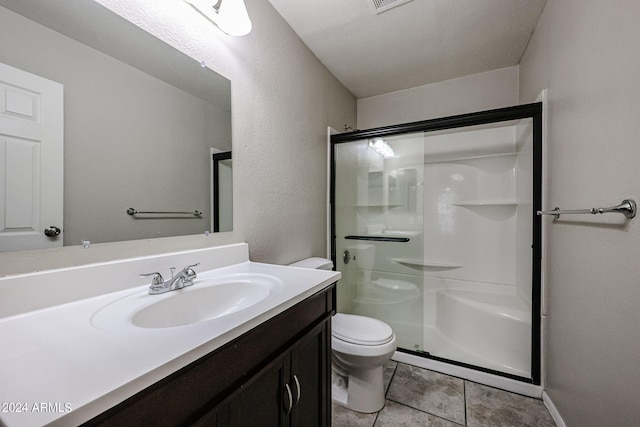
(627, 208)
(132, 211)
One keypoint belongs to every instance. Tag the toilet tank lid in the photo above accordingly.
(314, 262)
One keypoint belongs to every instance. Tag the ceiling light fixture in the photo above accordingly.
(382, 147)
(229, 15)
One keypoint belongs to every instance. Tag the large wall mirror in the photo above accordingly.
(141, 121)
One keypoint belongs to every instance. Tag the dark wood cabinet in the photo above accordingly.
(311, 366)
(290, 391)
(278, 374)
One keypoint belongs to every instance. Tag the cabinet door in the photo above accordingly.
(262, 401)
(310, 379)
(294, 391)
(265, 401)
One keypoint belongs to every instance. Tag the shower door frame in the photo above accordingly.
(526, 111)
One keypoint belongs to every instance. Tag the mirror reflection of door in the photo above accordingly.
(31, 158)
(222, 186)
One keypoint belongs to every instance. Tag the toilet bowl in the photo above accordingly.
(360, 347)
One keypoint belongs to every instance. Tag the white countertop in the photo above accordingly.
(57, 367)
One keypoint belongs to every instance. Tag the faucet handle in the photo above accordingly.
(189, 270)
(157, 279)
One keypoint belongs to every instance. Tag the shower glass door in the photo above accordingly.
(435, 234)
(379, 228)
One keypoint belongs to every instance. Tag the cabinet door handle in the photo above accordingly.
(297, 397)
(288, 399)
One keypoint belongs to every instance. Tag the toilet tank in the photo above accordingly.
(314, 262)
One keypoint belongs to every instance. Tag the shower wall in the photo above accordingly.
(470, 199)
(477, 197)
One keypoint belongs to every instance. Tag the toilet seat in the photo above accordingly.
(360, 330)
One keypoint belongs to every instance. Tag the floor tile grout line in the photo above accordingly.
(427, 412)
(393, 374)
(424, 412)
(375, 420)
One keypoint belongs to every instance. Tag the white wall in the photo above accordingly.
(586, 53)
(483, 91)
(283, 99)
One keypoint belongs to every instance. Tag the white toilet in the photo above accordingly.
(360, 346)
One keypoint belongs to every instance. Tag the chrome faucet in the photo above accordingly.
(181, 280)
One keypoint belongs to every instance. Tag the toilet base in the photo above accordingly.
(361, 391)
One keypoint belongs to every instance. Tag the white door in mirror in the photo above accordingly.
(31, 161)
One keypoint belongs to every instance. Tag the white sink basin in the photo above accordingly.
(209, 298)
(199, 304)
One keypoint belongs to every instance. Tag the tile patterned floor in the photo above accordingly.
(419, 397)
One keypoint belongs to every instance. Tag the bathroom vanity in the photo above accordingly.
(279, 373)
(123, 357)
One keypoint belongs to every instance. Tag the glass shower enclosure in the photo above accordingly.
(434, 229)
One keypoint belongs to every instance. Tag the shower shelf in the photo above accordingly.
(494, 210)
(426, 264)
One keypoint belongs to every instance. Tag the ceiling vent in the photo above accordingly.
(380, 6)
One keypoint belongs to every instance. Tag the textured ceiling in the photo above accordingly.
(416, 43)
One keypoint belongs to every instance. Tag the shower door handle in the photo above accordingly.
(379, 238)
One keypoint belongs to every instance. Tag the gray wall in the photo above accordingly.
(477, 92)
(586, 53)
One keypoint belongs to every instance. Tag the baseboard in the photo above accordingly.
(553, 410)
